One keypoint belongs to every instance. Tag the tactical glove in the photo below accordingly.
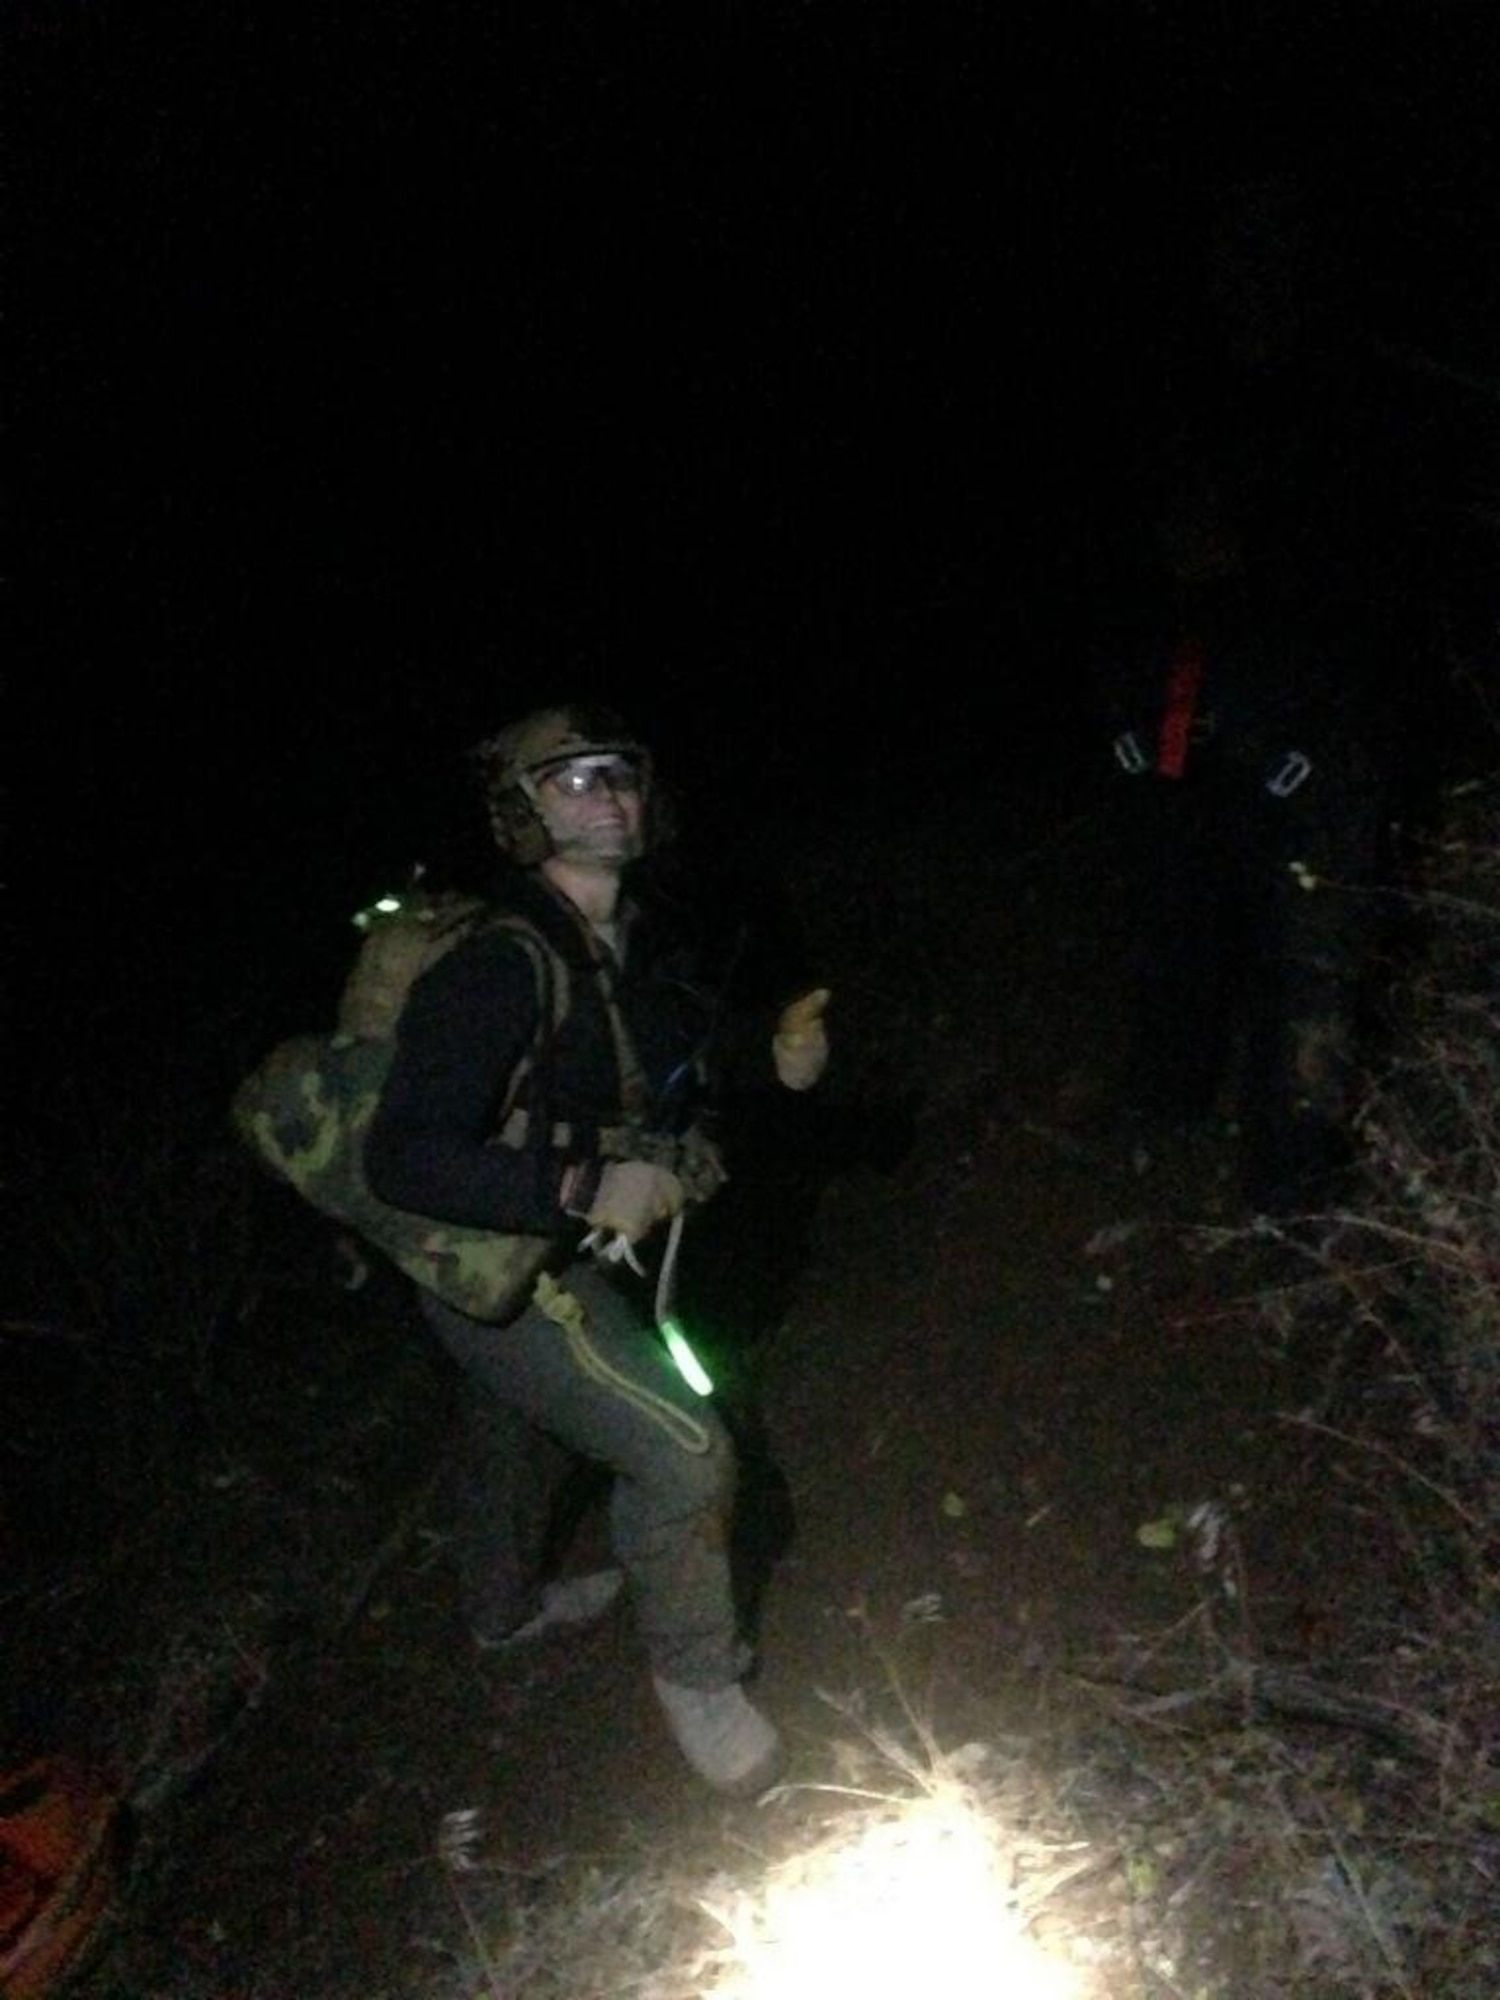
(800, 1044)
(633, 1197)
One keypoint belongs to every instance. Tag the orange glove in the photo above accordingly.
(799, 1047)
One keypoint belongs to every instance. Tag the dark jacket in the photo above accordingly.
(474, 1017)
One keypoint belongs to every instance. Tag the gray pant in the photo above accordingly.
(585, 1388)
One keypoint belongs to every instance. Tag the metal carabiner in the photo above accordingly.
(1290, 775)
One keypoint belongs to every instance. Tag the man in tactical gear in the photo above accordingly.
(591, 1135)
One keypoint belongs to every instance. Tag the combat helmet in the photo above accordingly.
(511, 762)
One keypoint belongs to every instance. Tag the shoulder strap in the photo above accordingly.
(515, 1124)
(553, 998)
(635, 1091)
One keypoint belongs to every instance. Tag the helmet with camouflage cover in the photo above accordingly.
(514, 760)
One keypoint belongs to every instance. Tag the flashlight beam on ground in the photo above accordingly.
(917, 1904)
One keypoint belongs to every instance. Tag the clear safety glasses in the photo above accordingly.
(582, 777)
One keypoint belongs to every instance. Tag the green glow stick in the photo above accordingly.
(688, 1366)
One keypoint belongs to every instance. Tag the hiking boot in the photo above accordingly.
(572, 1600)
(723, 1735)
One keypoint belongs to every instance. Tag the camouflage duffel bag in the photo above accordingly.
(305, 1111)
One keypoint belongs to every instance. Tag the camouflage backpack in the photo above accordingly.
(306, 1107)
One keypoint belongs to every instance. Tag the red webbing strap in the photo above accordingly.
(1184, 683)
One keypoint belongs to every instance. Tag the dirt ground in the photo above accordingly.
(969, 1344)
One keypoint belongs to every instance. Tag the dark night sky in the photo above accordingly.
(781, 370)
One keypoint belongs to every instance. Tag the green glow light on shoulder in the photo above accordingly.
(687, 1364)
(385, 906)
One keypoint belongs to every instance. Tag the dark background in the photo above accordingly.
(798, 376)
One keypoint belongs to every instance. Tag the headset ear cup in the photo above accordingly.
(518, 827)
